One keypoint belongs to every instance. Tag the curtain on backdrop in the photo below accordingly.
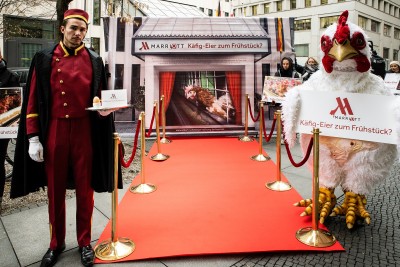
(234, 81)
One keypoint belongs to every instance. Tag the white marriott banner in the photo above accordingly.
(347, 115)
(155, 46)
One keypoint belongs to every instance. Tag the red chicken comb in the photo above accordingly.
(342, 31)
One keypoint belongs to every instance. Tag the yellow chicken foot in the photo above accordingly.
(326, 199)
(353, 207)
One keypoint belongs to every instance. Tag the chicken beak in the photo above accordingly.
(342, 51)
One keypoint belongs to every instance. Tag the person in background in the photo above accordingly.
(310, 67)
(61, 144)
(378, 65)
(286, 69)
(394, 67)
(7, 79)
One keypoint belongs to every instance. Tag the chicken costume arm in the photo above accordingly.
(290, 115)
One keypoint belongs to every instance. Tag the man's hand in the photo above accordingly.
(35, 149)
(107, 112)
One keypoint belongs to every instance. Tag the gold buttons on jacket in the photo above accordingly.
(58, 70)
(66, 116)
(57, 59)
(61, 81)
(65, 104)
(62, 93)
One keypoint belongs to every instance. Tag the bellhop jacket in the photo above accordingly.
(28, 175)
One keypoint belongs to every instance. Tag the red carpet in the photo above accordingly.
(210, 199)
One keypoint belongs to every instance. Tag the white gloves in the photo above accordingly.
(35, 149)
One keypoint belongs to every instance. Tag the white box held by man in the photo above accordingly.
(114, 98)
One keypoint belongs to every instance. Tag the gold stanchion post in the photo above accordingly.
(313, 236)
(114, 248)
(143, 187)
(159, 156)
(260, 156)
(278, 185)
(246, 137)
(164, 140)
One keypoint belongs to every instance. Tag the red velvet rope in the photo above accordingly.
(251, 113)
(128, 163)
(268, 137)
(307, 156)
(151, 123)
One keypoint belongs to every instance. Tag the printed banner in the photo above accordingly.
(275, 88)
(155, 46)
(392, 82)
(355, 116)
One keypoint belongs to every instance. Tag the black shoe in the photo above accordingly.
(87, 255)
(50, 258)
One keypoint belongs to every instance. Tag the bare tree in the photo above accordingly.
(61, 7)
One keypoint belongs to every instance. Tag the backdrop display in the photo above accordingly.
(219, 60)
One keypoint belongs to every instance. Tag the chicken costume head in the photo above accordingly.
(354, 166)
(344, 47)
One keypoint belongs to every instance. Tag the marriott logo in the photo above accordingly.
(344, 107)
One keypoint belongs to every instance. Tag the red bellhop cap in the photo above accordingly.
(77, 14)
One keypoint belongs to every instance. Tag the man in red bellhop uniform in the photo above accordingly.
(65, 143)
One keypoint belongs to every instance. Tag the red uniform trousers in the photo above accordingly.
(68, 149)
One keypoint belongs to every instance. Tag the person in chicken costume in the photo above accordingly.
(354, 165)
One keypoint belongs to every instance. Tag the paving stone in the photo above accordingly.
(366, 245)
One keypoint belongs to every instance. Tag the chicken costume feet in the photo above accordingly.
(353, 207)
(327, 201)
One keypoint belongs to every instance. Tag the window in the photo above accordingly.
(307, 3)
(396, 33)
(266, 8)
(303, 24)
(119, 76)
(301, 50)
(96, 12)
(385, 52)
(27, 53)
(244, 11)
(375, 26)
(226, 14)
(279, 6)
(386, 30)
(210, 12)
(95, 44)
(29, 28)
(340, 1)
(395, 54)
(292, 4)
(120, 36)
(324, 2)
(202, 9)
(254, 10)
(327, 21)
(362, 22)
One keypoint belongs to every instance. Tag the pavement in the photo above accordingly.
(24, 235)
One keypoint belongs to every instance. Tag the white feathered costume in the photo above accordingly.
(355, 165)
